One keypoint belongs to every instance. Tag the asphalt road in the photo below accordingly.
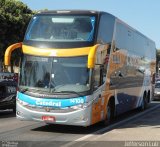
(15, 133)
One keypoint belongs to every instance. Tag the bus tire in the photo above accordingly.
(148, 97)
(144, 103)
(110, 113)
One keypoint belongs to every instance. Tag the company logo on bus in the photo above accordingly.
(48, 103)
(47, 109)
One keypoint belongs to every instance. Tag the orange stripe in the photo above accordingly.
(56, 52)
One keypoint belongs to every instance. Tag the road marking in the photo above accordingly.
(112, 126)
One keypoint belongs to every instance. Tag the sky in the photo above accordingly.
(143, 15)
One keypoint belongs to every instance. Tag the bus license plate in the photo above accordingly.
(49, 118)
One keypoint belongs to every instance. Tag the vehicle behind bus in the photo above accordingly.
(8, 90)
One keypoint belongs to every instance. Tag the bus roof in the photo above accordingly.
(84, 12)
(90, 12)
(69, 12)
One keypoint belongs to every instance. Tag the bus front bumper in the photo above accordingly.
(80, 117)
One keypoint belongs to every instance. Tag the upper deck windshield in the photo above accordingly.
(61, 28)
(56, 74)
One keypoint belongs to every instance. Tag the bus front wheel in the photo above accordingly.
(110, 113)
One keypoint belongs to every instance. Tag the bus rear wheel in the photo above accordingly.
(144, 103)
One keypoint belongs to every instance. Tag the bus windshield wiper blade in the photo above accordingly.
(69, 91)
(23, 90)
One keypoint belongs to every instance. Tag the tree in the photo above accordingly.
(14, 18)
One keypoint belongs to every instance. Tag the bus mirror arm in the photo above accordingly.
(8, 52)
(91, 56)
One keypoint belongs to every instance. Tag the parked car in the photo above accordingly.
(8, 90)
(157, 90)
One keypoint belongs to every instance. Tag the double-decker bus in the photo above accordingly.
(82, 67)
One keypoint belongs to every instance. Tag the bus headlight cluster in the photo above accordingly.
(80, 106)
(22, 102)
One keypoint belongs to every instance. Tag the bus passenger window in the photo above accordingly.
(102, 74)
(99, 76)
(96, 76)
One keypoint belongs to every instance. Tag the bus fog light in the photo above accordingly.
(19, 113)
(85, 119)
(80, 118)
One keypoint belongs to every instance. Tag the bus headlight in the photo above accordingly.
(22, 102)
(80, 106)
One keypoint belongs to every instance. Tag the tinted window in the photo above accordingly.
(105, 30)
(61, 28)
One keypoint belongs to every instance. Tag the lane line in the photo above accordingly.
(102, 131)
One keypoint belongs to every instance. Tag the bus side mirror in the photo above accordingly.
(91, 57)
(8, 52)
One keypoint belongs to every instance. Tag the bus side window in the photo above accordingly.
(98, 76)
(102, 74)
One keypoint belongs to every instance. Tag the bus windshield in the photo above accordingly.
(54, 74)
(61, 28)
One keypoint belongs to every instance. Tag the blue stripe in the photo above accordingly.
(61, 103)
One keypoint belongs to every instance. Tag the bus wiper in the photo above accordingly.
(23, 90)
(70, 91)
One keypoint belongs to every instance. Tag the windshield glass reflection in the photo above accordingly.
(61, 28)
(54, 74)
